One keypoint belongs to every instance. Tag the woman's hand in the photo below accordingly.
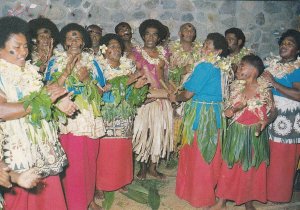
(269, 77)
(27, 179)
(229, 113)
(55, 91)
(66, 105)
(72, 60)
(4, 175)
(172, 98)
(261, 126)
(107, 87)
(142, 81)
(83, 74)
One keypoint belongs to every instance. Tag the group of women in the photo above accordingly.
(68, 116)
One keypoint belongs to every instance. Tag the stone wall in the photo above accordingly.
(261, 21)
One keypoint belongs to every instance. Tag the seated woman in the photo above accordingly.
(245, 148)
(45, 36)
(29, 142)
(115, 164)
(79, 72)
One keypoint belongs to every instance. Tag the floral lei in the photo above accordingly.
(90, 95)
(28, 78)
(238, 57)
(176, 47)
(253, 104)
(62, 59)
(126, 67)
(279, 70)
(223, 63)
(161, 55)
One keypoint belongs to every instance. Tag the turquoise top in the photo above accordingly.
(205, 83)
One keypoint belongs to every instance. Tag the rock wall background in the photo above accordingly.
(262, 21)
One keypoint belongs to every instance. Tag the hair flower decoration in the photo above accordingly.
(103, 48)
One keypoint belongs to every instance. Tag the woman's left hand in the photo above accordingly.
(172, 98)
(142, 81)
(67, 106)
(83, 74)
(269, 77)
(55, 91)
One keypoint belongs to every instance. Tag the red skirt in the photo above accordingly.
(114, 164)
(196, 180)
(281, 171)
(242, 186)
(48, 196)
(80, 175)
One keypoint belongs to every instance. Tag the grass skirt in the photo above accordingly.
(152, 133)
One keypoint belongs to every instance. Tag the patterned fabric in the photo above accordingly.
(22, 145)
(286, 127)
(119, 128)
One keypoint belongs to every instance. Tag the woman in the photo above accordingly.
(152, 138)
(80, 73)
(114, 164)
(31, 151)
(245, 148)
(45, 36)
(284, 75)
(199, 158)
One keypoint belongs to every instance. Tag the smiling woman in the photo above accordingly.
(31, 152)
(284, 75)
(80, 73)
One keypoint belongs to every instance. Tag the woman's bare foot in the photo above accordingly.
(221, 204)
(141, 175)
(94, 206)
(153, 172)
(249, 206)
(123, 189)
(99, 195)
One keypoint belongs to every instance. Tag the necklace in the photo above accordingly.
(126, 67)
(154, 61)
(279, 70)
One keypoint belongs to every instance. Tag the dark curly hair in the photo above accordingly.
(107, 37)
(254, 61)
(239, 34)
(153, 23)
(75, 27)
(122, 24)
(12, 25)
(291, 33)
(219, 43)
(41, 22)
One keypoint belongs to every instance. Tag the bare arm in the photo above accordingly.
(68, 70)
(291, 93)
(181, 97)
(11, 111)
(15, 110)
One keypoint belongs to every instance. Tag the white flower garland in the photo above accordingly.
(126, 67)
(279, 70)
(238, 57)
(29, 80)
(253, 104)
(154, 61)
(176, 48)
(223, 63)
(62, 60)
